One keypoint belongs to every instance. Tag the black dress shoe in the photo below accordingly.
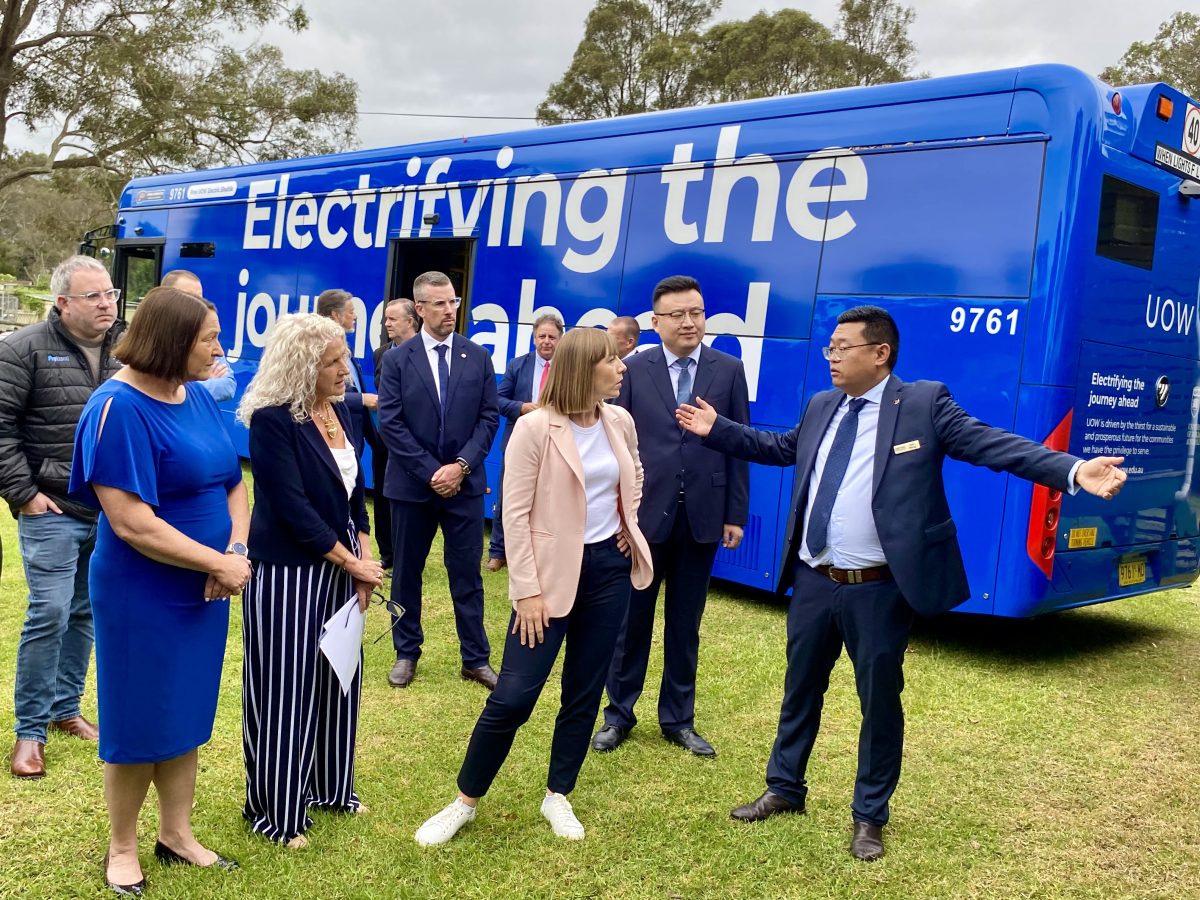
(169, 857)
(867, 843)
(123, 890)
(609, 738)
(485, 675)
(689, 740)
(402, 673)
(764, 807)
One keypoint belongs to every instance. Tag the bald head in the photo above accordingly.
(183, 280)
(626, 332)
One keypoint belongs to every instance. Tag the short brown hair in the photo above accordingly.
(332, 301)
(432, 279)
(161, 336)
(569, 388)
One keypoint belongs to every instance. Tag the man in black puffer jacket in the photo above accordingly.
(47, 373)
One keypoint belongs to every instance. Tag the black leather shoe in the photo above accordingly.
(867, 843)
(123, 890)
(485, 675)
(609, 738)
(764, 807)
(169, 857)
(402, 673)
(689, 740)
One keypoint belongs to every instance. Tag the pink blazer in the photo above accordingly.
(545, 506)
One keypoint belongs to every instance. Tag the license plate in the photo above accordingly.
(1132, 571)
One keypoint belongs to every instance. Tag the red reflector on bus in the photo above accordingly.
(1166, 107)
(1045, 506)
(1116, 103)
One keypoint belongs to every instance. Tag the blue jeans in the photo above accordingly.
(56, 642)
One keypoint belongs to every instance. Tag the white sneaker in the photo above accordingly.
(438, 829)
(557, 810)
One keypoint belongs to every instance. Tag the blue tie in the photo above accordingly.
(836, 464)
(683, 389)
(443, 392)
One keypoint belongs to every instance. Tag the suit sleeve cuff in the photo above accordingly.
(1072, 485)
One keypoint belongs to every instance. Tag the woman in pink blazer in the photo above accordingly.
(572, 484)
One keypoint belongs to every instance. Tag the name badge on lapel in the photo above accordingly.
(904, 448)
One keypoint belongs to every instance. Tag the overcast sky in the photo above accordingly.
(480, 58)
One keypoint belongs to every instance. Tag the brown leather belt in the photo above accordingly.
(855, 576)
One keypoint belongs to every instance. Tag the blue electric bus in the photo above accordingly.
(1034, 232)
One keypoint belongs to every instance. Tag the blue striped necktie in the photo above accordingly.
(817, 535)
(443, 391)
(683, 388)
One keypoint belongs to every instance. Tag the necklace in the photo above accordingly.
(328, 419)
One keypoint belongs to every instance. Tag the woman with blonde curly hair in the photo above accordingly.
(309, 552)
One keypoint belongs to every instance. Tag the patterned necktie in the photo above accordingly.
(545, 375)
(683, 390)
(443, 391)
(817, 535)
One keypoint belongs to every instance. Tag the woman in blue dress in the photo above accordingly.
(152, 454)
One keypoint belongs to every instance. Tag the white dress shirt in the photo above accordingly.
(853, 540)
(538, 365)
(673, 367)
(431, 355)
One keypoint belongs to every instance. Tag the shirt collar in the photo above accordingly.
(694, 356)
(874, 395)
(431, 342)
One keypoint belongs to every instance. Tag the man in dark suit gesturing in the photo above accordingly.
(869, 542)
(693, 497)
(438, 415)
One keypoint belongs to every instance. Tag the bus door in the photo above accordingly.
(410, 257)
(137, 267)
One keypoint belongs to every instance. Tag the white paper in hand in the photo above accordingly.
(341, 641)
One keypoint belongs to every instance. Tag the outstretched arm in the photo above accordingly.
(771, 448)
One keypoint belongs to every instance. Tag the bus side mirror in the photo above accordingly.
(1189, 189)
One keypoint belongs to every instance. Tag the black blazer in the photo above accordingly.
(909, 504)
(300, 505)
(717, 485)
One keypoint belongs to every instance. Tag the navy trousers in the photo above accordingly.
(874, 622)
(382, 522)
(413, 528)
(589, 632)
(298, 728)
(685, 564)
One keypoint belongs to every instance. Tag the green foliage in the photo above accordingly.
(135, 88)
(642, 55)
(1172, 57)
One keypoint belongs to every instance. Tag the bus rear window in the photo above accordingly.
(1128, 223)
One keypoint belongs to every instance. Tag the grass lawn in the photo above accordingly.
(1052, 758)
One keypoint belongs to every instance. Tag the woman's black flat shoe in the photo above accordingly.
(123, 890)
(169, 857)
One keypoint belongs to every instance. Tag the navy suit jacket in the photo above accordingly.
(717, 485)
(908, 505)
(516, 389)
(300, 506)
(409, 417)
(362, 429)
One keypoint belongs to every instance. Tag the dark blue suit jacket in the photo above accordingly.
(300, 505)
(909, 504)
(717, 485)
(362, 429)
(516, 389)
(409, 419)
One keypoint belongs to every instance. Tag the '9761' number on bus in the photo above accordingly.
(974, 319)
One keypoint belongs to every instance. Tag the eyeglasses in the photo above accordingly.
(835, 354)
(377, 599)
(95, 298)
(442, 305)
(677, 316)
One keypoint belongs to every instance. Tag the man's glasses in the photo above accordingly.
(442, 305)
(377, 599)
(95, 298)
(677, 315)
(834, 354)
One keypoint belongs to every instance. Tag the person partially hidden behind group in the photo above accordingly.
(310, 551)
(221, 382)
(152, 454)
(572, 485)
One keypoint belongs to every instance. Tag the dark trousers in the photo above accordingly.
(589, 630)
(298, 728)
(413, 528)
(382, 525)
(496, 542)
(874, 622)
(685, 565)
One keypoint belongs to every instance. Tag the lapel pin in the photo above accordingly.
(896, 402)
(464, 356)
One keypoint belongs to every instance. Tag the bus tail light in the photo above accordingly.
(1045, 509)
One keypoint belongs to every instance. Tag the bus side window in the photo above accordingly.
(1128, 223)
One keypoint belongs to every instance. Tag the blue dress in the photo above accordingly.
(159, 644)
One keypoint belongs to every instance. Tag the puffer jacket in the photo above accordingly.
(45, 380)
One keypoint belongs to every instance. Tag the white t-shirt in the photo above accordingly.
(347, 463)
(600, 476)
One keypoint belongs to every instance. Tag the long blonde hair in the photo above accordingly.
(288, 370)
(570, 387)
